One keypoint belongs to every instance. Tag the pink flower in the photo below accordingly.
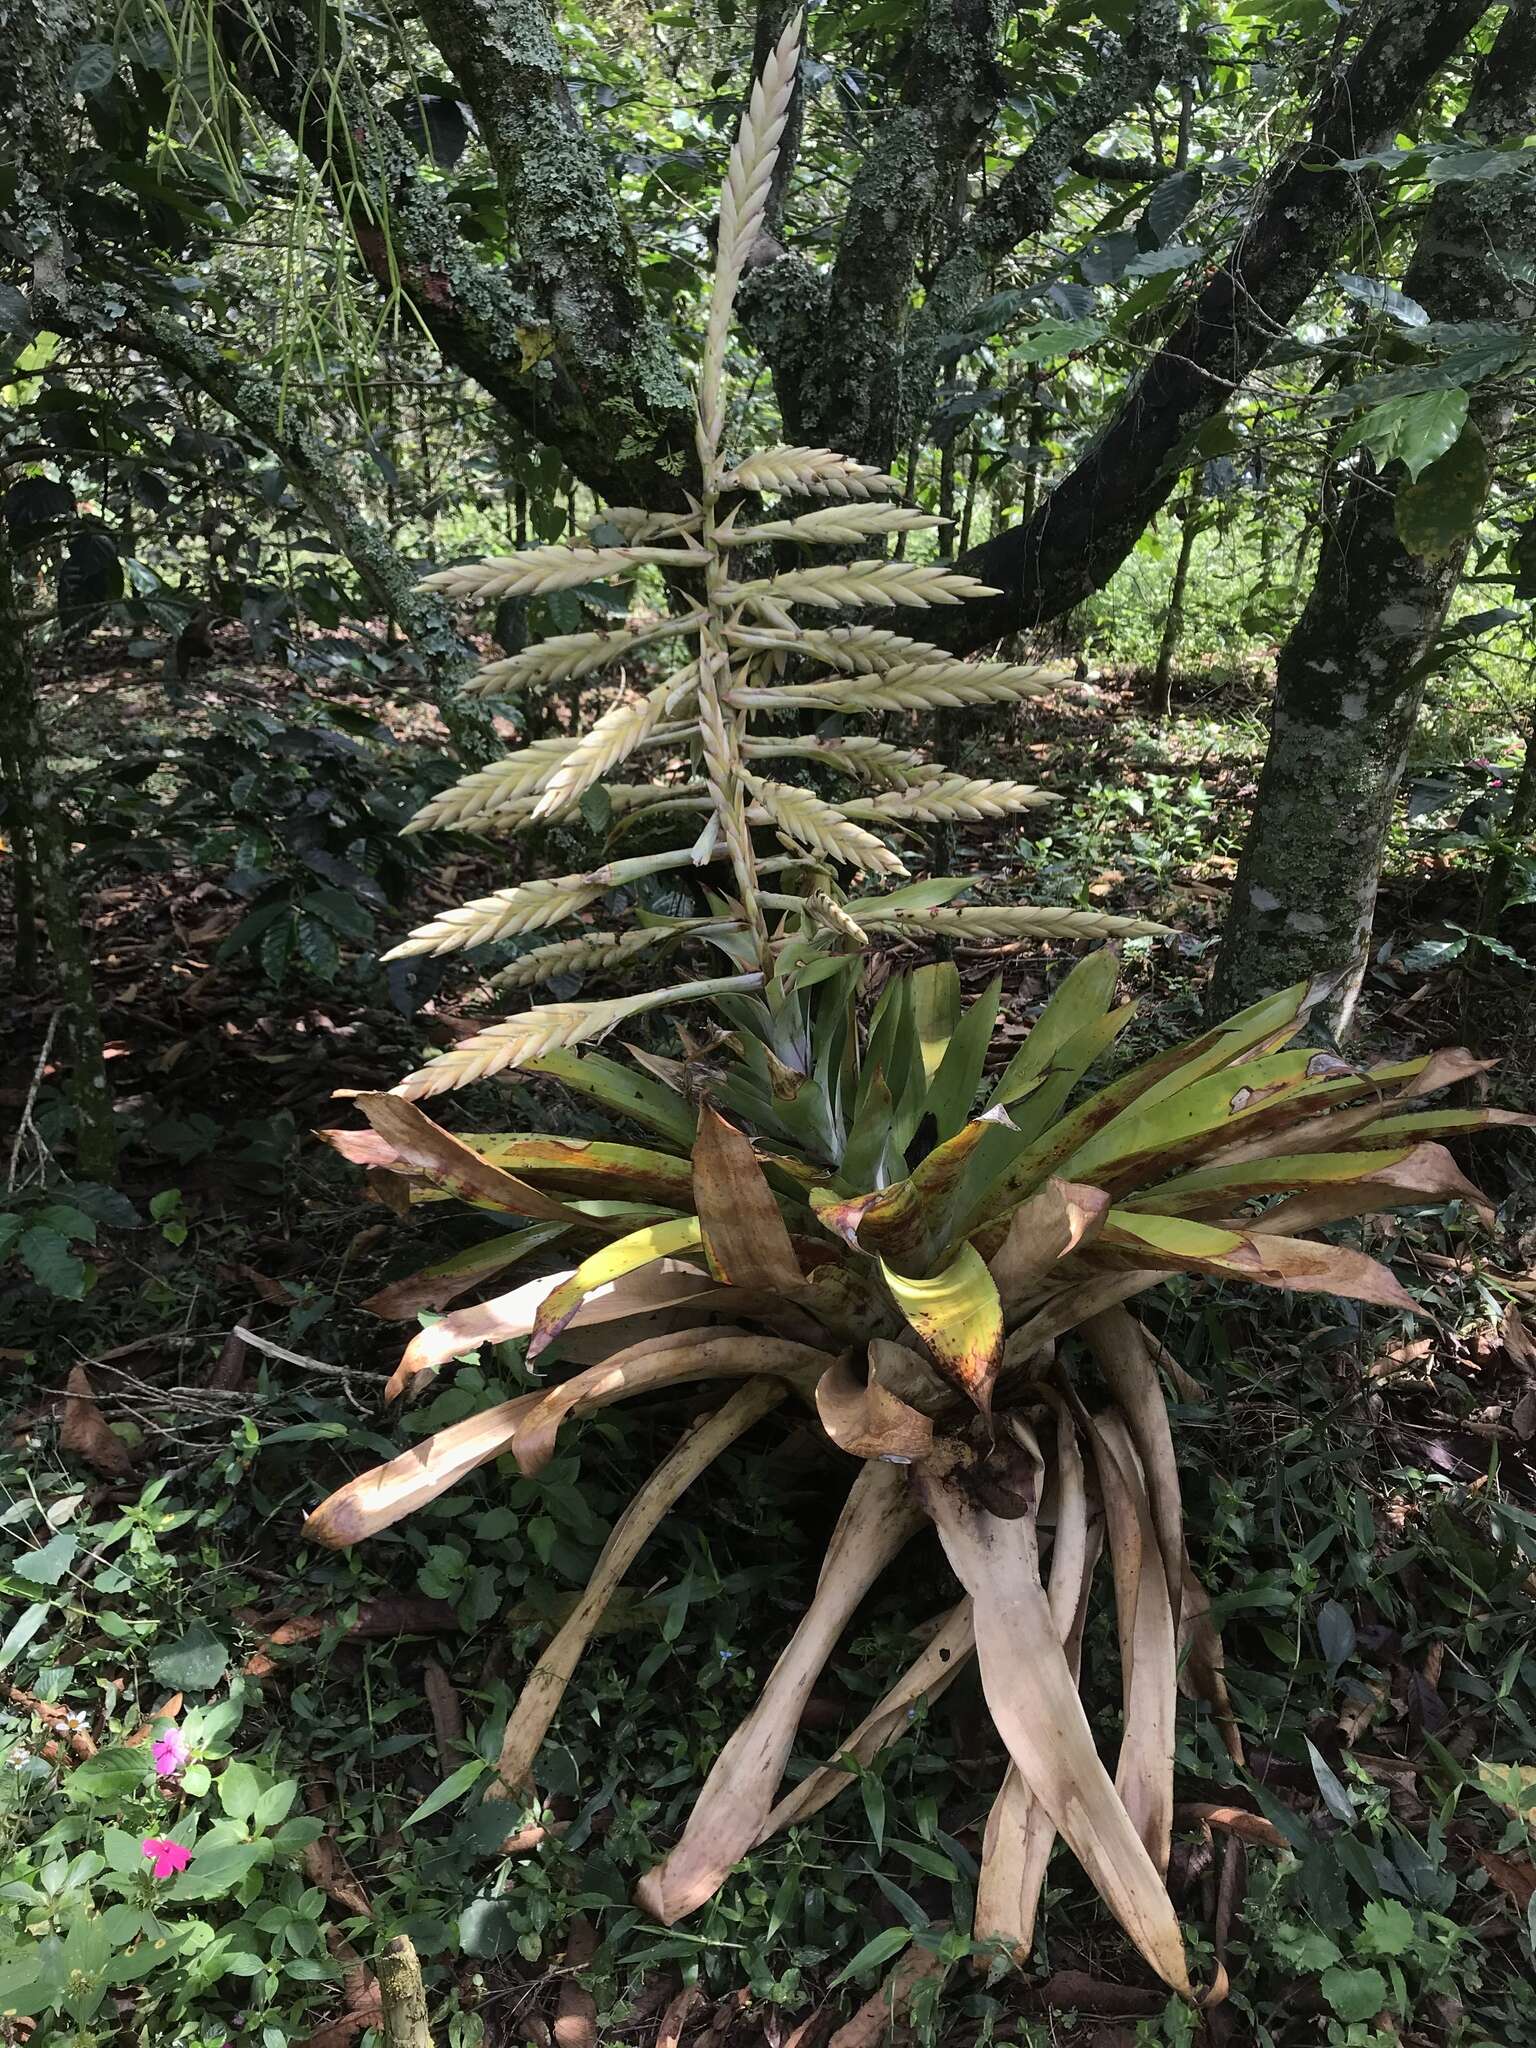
(170, 1751)
(166, 1857)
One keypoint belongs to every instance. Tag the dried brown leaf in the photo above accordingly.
(84, 1431)
(732, 1809)
(745, 1237)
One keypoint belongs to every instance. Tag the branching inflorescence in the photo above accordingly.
(740, 632)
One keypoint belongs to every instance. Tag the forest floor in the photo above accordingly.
(1362, 1487)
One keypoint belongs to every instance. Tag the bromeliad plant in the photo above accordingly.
(855, 1215)
(928, 1261)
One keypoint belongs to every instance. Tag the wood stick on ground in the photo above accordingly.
(403, 1995)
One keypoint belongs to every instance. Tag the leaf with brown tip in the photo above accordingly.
(434, 1286)
(1244, 1253)
(376, 1499)
(959, 1317)
(1423, 1174)
(448, 1163)
(662, 1286)
(614, 1262)
(746, 1240)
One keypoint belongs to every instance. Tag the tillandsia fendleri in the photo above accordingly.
(853, 1215)
(937, 1266)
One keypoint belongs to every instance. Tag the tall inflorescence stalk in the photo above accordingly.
(744, 632)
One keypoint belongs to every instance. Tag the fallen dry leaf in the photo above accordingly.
(447, 1713)
(84, 1430)
(872, 2023)
(1515, 1876)
(325, 1866)
(576, 2013)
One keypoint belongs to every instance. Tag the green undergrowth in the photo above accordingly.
(1369, 1541)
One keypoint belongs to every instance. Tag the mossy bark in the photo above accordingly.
(1350, 679)
(544, 338)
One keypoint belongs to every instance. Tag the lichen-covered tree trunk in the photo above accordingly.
(33, 801)
(1350, 678)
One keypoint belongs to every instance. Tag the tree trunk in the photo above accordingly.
(1173, 622)
(1351, 676)
(40, 826)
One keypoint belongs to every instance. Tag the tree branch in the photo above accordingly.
(575, 253)
(1022, 203)
(257, 405)
(1088, 525)
(840, 380)
(517, 337)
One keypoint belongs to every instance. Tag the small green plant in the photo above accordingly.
(168, 1869)
(47, 1231)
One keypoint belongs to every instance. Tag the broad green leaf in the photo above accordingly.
(1269, 1176)
(195, 1664)
(47, 1566)
(1440, 509)
(1083, 998)
(865, 1151)
(935, 1012)
(617, 1089)
(1354, 1994)
(22, 1631)
(47, 1257)
(1428, 427)
(453, 1787)
(1163, 1128)
(959, 1316)
(626, 1255)
(953, 1089)
(880, 1948)
(110, 1774)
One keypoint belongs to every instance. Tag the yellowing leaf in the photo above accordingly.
(958, 1315)
(640, 1248)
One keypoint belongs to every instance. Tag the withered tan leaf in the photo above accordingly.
(1034, 1701)
(941, 1660)
(1054, 1221)
(541, 1696)
(865, 1418)
(746, 1239)
(666, 1361)
(732, 1809)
